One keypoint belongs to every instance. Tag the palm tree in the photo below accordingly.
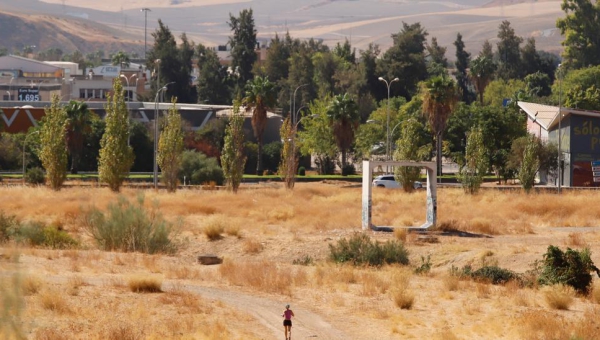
(439, 99)
(120, 58)
(79, 122)
(344, 119)
(260, 96)
(481, 71)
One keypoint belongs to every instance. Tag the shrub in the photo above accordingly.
(301, 171)
(425, 266)
(31, 233)
(571, 268)
(403, 298)
(494, 274)
(145, 284)
(348, 169)
(35, 176)
(130, 227)
(305, 260)
(559, 296)
(58, 239)
(199, 169)
(272, 156)
(8, 223)
(359, 249)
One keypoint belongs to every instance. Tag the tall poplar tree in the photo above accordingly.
(53, 153)
(116, 157)
(170, 148)
(233, 159)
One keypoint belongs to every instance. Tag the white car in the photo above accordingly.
(388, 181)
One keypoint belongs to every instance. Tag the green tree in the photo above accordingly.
(116, 157)
(481, 73)
(578, 98)
(538, 84)
(585, 78)
(580, 27)
(233, 159)
(411, 146)
(170, 147)
(476, 162)
(214, 83)
(243, 44)
(277, 64)
(53, 153)
(463, 59)
(487, 50)
(79, 124)
(121, 59)
(531, 62)
(289, 160)
(439, 99)
(302, 72)
(437, 59)
(500, 90)
(172, 64)
(529, 164)
(344, 119)
(509, 52)
(406, 57)
(317, 137)
(260, 96)
(345, 52)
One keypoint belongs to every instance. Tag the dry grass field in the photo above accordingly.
(275, 245)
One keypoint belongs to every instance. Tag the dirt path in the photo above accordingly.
(307, 324)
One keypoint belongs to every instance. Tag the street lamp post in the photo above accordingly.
(10, 88)
(559, 127)
(164, 88)
(387, 143)
(145, 10)
(293, 112)
(127, 81)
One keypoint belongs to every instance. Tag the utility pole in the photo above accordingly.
(145, 10)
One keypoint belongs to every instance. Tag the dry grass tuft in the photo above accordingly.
(214, 227)
(122, 331)
(233, 230)
(559, 296)
(145, 284)
(252, 246)
(400, 234)
(184, 299)
(482, 225)
(51, 334)
(451, 282)
(403, 298)
(54, 300)
(263, 275)
(31, 284)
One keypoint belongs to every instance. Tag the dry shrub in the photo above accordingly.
(542, 325)
(122, 331)
(145, 284)
(183, 272)
(448, 226)
(482, 225)
(252, 246)
(233, 230)
(483, 290)
(74, 284)
(214, 227)
(400, 234)
(373, 284)
(54, 300)
(403, 298)
(263, 275)
(31, 284)
(575, 240)
(559, 296)
(280, 213)
(451, 282)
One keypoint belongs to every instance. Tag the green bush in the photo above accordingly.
(348, 169)
(129, 227)
(301, 171)
(199, 169)
(35, 176)
(571, 268)
(305, 260)
(58, 239)
(425, 266)
(494, 274)
(272, 156)
(8, 223)
(31, 233)
(359, 250)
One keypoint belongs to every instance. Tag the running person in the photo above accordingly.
(287, 322)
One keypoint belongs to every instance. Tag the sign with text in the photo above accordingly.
(27, 94)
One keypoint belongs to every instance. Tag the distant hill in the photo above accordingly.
(119, 24)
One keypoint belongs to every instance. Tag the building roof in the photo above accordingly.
(547, 116)
(13, 62)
